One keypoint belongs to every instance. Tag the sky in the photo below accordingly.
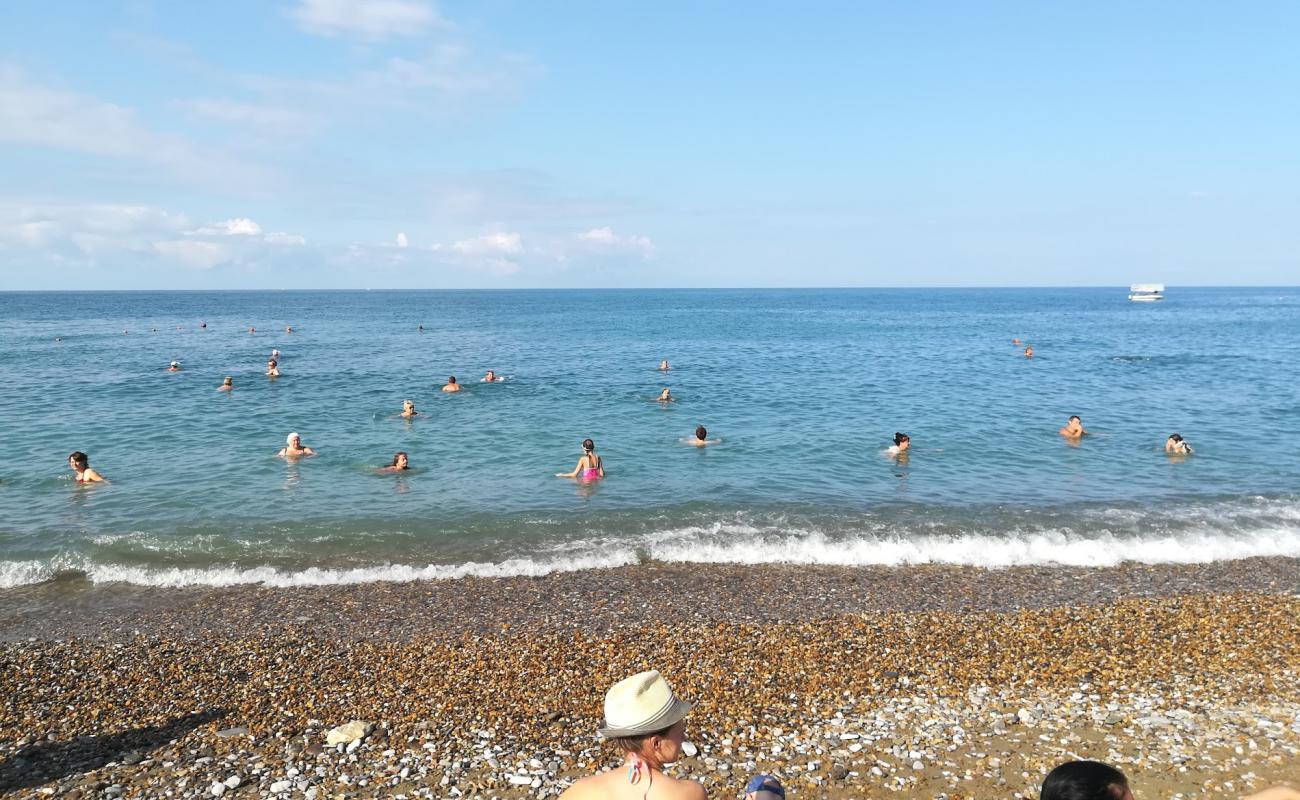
(513, 143)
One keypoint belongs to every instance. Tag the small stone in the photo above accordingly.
(232, 782)
(281, 786)
(839, 772)
(132, 758)
(520, 780)
(918, 765)
(353, 731)
(217, 788)
(230, 733)
(689, 749)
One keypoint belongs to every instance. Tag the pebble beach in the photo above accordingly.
(927, 682)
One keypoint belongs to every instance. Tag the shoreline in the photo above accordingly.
(847, 683)
(595, 600)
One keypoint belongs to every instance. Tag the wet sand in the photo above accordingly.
(915, 682)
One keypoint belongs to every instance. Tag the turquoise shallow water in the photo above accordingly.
(805, 388)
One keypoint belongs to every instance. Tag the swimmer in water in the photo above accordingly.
(451, 386)
(902, 443)
(702, 437)
(293, 446)
(288, 329)
(1073, 428)
(400, 463)
(663, 366)
(490, 377)
(227, 384)
(408, 409)
(251, 329)
(1015, 342)
(590, 466)
(1177, 445)
(273, 369)
(80, 463)
(420, 328)
(1029, 351)
(666, 397)
(175, 366)
(203, 324)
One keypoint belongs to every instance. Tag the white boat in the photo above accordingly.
(1146, 292)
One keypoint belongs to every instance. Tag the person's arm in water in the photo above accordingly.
(600, 466)
(576, 470)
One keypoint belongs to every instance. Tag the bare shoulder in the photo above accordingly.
(583, 788)
(684, 789)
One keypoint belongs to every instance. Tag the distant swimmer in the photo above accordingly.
(400, 463)
(408, 409)
(666, 396)
(1016, 342)
(1029, 351)
(227, 384)
(663, 366)
(491, 377)
(590, 466)
(451, 386)
(902, 443)
(80, 463)
(175, 366)
(288, 329)
(420, 328)
(293, 446)
(1177, 445)
(251, 329)
(272, 369)
(702, 438)
(1073, 428)
(275, 353)
(203, 324)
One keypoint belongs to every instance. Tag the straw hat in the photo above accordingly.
(641, 704)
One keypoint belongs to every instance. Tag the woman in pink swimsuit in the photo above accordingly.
(590, 467)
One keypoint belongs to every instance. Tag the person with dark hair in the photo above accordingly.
(451, 386)
(1176, 445)
(80, 463)
(902, 442)
(1085, 780)
(666, 396)
(702, 437)
(272, 368)
(590, 466)
(400, 463)
(1073, 428)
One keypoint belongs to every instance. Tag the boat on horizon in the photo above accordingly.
(1146, 292)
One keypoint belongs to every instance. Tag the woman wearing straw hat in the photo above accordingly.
(647, 722)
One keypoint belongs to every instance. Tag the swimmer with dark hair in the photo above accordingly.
(80, 463)
(227, 384)
(666, 396)
(1176, 445)
(491, 377)
(701, 438)
(902, 443)
(451, 386)
(663, 366)
(1073, 428)
(1029, 351)
(590, 466)
(400, 463)
(272, 369)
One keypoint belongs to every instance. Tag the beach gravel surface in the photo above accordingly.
(1191, 694)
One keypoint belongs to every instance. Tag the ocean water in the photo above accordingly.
(804, 387)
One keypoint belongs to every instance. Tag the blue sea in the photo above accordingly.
(805, 389)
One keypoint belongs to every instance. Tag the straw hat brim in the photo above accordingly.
(667, 718)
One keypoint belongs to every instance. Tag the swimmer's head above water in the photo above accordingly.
(400, 461)
(701, 433)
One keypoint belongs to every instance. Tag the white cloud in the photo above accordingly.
(280, 237)
(402, 241)
(238, 226)
(371, 20)
(195, 253)
(605, 240)
(264, 117)
(492, 244)
(41, 116)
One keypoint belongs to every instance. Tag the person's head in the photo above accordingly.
(1085, 780)
(79, 461)
(272, 364)
(1175, 437)
(665, 392)
(900, 439)
(229, 381)
(1074, 420)
(452, 380)
(644, 718)
(293, 440)
(588, 445)
(399, 460)
(491, 374)
(701, 433)
(174, 365)
(408, 405)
